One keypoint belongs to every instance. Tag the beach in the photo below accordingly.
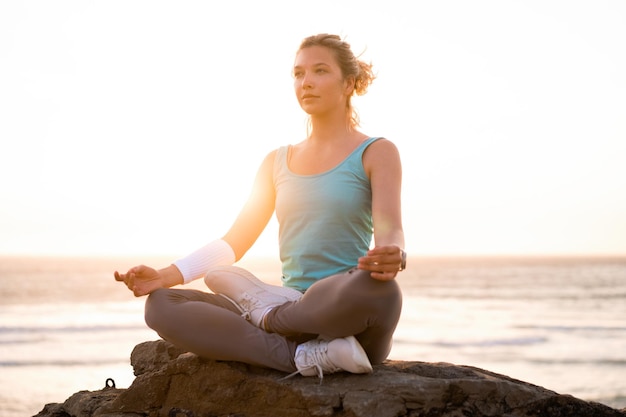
(557, 322)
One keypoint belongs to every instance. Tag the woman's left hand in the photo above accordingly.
(384, 262)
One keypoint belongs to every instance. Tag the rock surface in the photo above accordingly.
(171, 383)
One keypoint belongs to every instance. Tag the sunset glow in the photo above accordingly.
(137, 127)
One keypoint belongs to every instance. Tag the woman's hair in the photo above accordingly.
(350, 66)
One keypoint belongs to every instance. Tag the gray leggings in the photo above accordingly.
(341, 305)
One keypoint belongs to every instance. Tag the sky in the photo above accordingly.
(136, 127)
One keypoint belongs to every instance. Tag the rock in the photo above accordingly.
(172, 383)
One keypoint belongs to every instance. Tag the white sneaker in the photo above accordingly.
(253, 297)
(319, 356)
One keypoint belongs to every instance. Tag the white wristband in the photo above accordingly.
(198, 263)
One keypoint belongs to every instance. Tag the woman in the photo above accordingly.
(339, 303)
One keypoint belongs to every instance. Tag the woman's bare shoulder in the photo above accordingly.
(382, 145)
(382, 152)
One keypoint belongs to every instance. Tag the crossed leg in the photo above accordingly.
(210, 326)
(348, 304)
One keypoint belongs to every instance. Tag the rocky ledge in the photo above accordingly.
(172, 383)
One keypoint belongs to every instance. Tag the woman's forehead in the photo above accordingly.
(314, 55)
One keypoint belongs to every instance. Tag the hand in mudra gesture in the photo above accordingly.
(141, 280)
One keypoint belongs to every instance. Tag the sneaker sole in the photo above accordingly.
(362, 362)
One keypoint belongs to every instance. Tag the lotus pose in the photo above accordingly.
(332, 193)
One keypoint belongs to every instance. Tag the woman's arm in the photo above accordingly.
(256, 212)
(383, 166)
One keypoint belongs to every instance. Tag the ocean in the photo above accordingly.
(557, 322)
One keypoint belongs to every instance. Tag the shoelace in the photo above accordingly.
(316, 357)
(320, 373)
(244, 309)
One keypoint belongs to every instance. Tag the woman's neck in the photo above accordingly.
(330, 129)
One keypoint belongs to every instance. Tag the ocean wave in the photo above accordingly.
(22, 340)
(516, 341)
(507, 295)
(577, 361)
(569, 328)
(5, 330)
(62, 362)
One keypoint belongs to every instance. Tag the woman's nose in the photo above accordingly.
(306, 81)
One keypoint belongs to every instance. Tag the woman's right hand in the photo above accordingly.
(141, 280)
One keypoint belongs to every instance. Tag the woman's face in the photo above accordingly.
(318, 82)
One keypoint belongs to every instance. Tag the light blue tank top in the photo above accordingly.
(325, 219)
